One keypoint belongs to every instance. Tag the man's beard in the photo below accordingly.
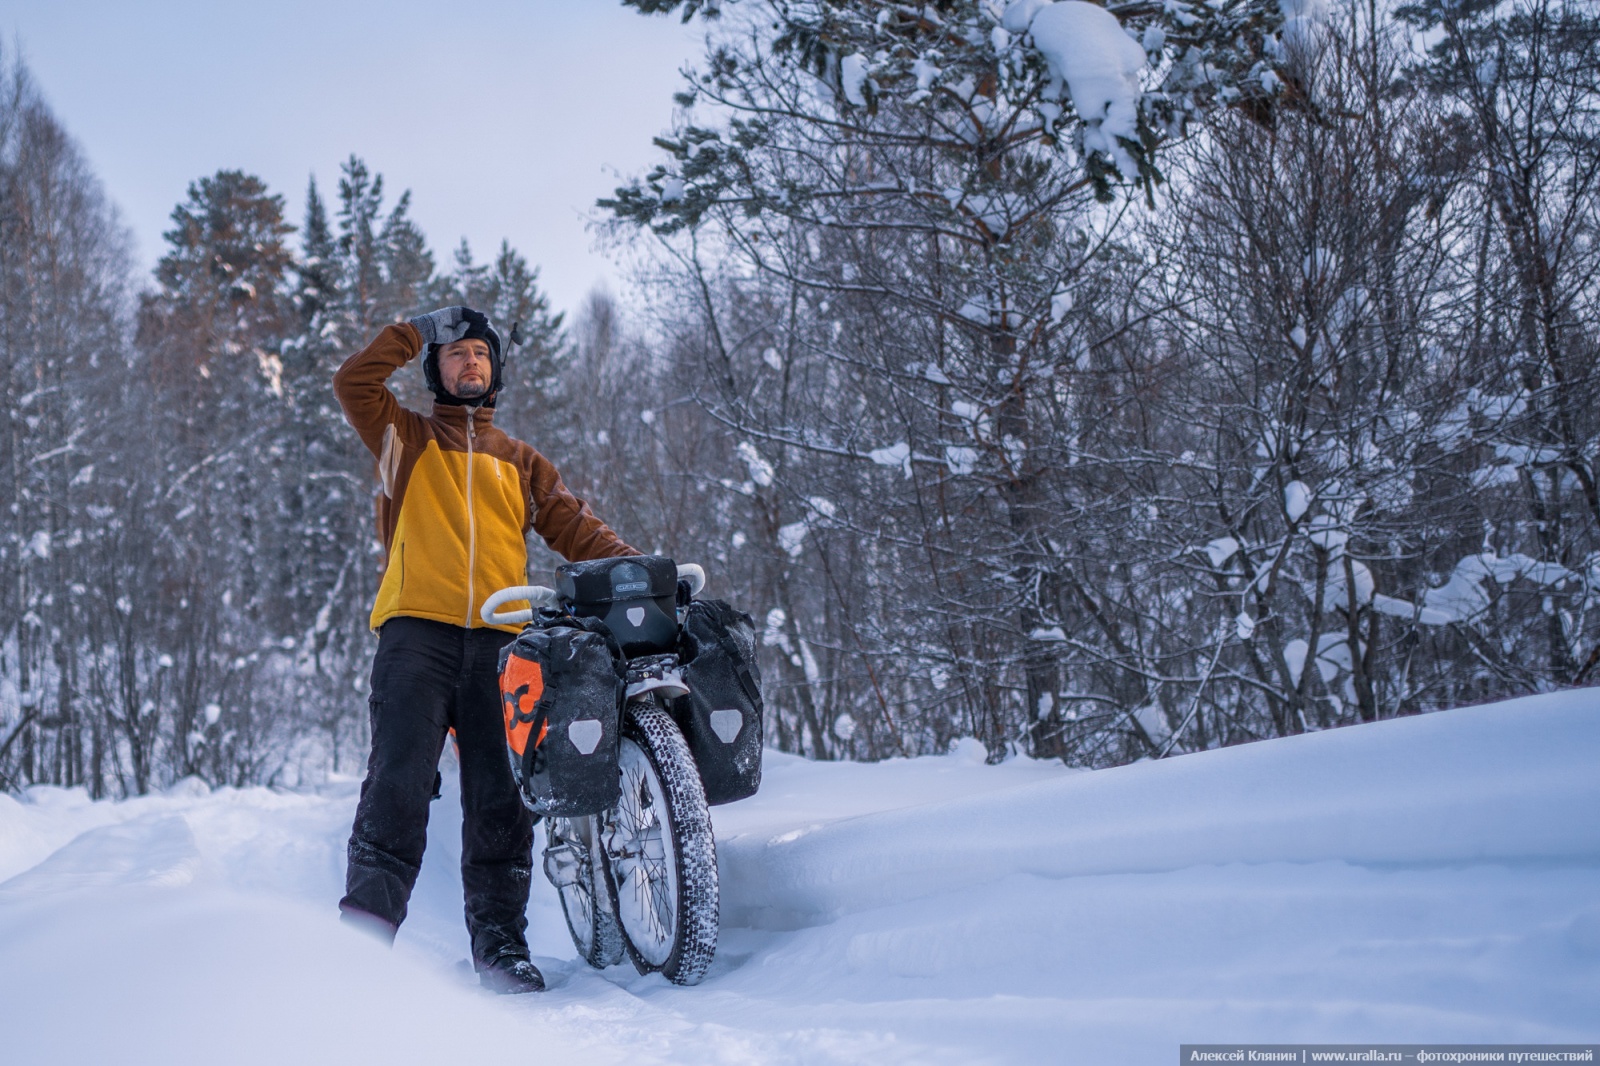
(470, 390)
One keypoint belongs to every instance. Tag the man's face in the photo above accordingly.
(464, 368)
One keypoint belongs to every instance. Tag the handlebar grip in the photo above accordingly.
(536, 595)
(694, 575)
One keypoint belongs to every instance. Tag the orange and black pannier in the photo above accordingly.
(561, 690)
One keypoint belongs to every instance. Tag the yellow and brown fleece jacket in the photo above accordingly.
(459, 496)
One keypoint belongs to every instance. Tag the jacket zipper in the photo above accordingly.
(472, 520)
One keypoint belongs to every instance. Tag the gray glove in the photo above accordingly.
(443, 326)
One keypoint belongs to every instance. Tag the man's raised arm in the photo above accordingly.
(361, 383)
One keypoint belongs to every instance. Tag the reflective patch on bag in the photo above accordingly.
(521, 685)
(585, 734)
(726, 724)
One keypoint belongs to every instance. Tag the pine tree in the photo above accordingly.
(385, 267)
(318, 266)
(329, 574)
(406, 263)
(215, 331)
(360, 208)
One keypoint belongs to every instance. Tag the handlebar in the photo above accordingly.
(536, 595)
(544, 596)
(694, 575)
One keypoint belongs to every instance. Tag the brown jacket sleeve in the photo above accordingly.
(359, 384)
(565, 521)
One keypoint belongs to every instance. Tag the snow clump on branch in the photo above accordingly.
(1087, 49)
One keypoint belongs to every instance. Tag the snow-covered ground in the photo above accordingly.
(1432, 878)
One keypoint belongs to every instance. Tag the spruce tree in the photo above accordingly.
(318, 266)
(360, 209)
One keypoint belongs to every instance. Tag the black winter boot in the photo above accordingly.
(510, 976)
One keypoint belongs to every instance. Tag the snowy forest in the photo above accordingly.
(1101, 382)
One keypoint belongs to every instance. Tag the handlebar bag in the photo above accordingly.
(634, 595)
(561, 691)
(721, 715)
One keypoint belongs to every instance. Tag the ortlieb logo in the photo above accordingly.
(521, 685)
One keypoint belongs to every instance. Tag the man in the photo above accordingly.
(458, 499)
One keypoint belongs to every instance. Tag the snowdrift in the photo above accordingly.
(1498, 783)
(1432, 878)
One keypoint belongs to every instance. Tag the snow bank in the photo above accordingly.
(1507, 782)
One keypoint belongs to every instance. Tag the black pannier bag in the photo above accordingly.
(561, 690)
(721, 715)
(635, 596)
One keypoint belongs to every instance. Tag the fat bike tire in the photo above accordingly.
(586, 897)
(660, 852)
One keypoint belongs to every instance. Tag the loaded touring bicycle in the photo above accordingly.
(631, 706)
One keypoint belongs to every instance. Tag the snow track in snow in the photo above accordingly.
(1432, 878)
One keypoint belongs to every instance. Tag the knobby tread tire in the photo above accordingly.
(698, 903)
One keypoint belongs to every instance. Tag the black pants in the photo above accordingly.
(427, 677)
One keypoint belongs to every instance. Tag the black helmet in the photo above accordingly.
(478, 328)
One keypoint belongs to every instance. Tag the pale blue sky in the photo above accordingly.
(506, 118)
